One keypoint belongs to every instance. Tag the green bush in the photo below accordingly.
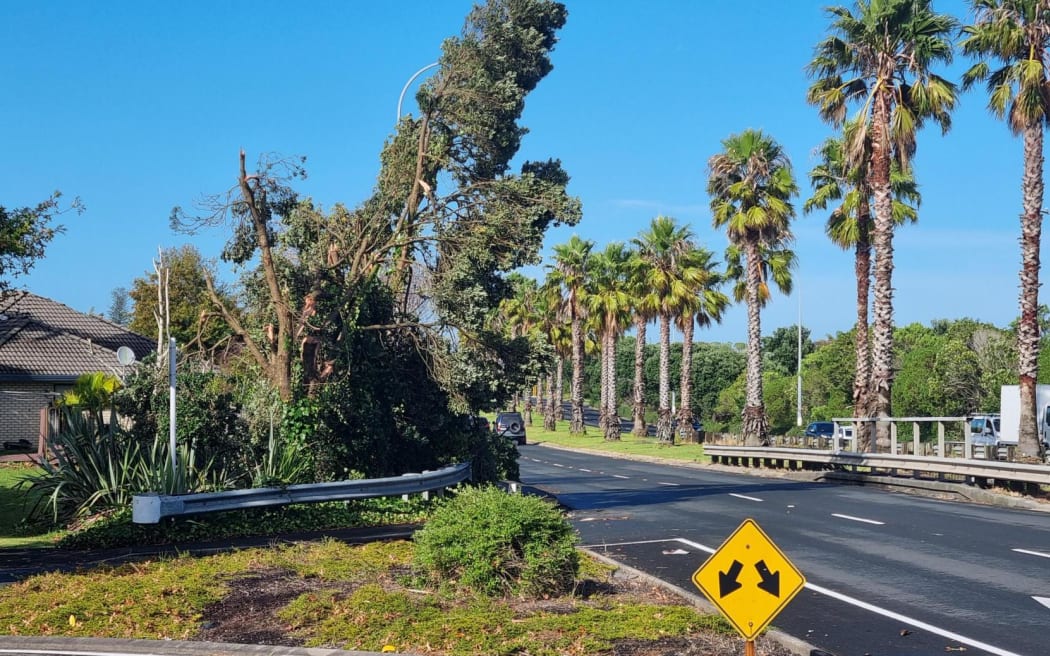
(497, 544)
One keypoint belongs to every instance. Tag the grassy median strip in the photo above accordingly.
(350, 597)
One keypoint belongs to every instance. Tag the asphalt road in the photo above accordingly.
(887, 573)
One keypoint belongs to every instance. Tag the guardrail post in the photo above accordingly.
(967, 441)
(893, 439)
(915, 437)
(940, 439)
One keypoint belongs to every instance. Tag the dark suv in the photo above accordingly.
(823, 429)
(512, 425)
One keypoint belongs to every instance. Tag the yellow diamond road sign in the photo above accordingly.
(749, 579)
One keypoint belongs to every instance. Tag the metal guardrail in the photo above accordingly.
(151, 508)
(979, 470)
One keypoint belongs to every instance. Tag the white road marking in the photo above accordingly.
(557, 465)
(1043, 600)
(667, 484)
(585, 470)
(919, 624)
(744, 496)
(618, 476)
(1032, 553)
(858, 519)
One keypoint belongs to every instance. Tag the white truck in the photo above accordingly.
(1002, 428)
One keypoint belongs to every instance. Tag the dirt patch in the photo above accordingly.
(248, 615)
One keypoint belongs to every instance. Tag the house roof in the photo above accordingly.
(42, 340)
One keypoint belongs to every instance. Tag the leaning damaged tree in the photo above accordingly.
(436, 259)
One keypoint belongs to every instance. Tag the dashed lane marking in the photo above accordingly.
(858, 519)
(1032, 553)
(744, 496)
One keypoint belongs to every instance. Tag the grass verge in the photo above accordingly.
(14, 505)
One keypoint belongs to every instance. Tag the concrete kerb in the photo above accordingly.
(790, 642)
(115, 647)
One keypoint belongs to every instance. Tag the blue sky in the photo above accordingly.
(139, 106)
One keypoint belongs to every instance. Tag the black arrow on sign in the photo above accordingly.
(727, 580)
(770, 580)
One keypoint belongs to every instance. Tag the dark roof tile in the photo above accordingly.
(40, 338)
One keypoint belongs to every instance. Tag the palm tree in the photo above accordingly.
(608, 302)
(710, 303)
(642, 314)
(569, 272)
(751, 185)
(549, 310)
(663, 252)
(520, 316)
(842, 176)
(881, 58)
(1016, 35)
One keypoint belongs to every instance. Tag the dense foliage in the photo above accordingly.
(498, 544)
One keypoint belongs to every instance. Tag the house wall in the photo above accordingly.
(20, 406)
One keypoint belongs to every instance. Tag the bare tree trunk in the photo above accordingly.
(640, 428)
(664, 432)
(862, 375)
(576, 426)
(685, 385)
(560, 384)
(882, 240)
(550, 417)
(612, 421)
(603, 387)
(756, 425)
(1028, 441)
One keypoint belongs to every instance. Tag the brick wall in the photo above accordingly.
(20, 405)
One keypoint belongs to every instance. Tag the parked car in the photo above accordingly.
(479, 423)
(511, 424)
(824, 429)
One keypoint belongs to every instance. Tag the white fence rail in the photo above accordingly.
(151, 508)
(981, 472)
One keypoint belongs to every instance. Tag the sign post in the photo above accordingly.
(750, 580)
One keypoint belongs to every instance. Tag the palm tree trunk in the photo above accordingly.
(559, 382)
(756, 425)
(612, 422)
(1028, 442)
(862, 375)
(685, 385)
(550, 415)
(603, 374)
(882, 240)
(576, 426)
(640, 428)
(664, 433)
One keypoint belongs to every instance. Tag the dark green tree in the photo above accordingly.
(25, 233)
(119, 312)
(781, 349)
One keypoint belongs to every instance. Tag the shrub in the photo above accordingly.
(498, 544)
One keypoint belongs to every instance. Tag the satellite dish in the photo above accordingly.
(125, 356)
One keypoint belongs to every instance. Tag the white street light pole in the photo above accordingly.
(798, 418)
(404, 89)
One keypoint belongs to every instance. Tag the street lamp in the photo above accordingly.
(404, 89)
(798, 370)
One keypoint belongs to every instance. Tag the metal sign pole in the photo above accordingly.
(749, 648)
(171, 409)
